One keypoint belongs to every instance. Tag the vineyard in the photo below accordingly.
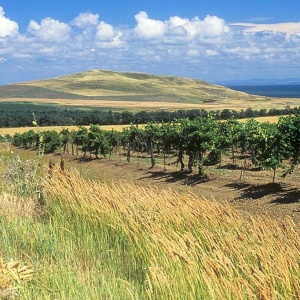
(67, 234)
(192, 144)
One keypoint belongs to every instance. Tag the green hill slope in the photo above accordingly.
(124, 86)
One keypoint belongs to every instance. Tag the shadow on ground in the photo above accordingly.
(255, 192)
(292, 196)
(172, 177)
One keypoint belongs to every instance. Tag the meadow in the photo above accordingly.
(91, 239)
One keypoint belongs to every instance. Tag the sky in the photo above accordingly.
(212, 40)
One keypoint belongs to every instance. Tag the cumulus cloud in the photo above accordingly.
(105, 32)
(147, 28)
(50, 30)
(7, 27)
(192, 45)
(210, 27)
(86, 19)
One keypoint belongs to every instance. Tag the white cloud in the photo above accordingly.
(175, 45)
(86, 19)
(210, 52)
(105, 32)
(193, 52)
(7, 27)
(288, 28)
(50, 30)
(295, 38)
(183, 28)
(22, 55)
(147, 28)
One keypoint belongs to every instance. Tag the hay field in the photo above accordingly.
(14, 130)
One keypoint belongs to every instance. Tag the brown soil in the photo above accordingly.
(254, 193)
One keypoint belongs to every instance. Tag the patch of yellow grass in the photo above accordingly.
(12, 131)
(15, 205)
(12, 274)
(270, 119)
(193, 247)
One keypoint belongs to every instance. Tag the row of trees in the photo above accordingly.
(193, 143)
(12, 116)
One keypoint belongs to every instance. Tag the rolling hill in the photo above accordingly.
(133, 91)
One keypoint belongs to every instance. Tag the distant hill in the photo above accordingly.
(109, 85)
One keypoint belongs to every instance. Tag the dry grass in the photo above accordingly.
(13, 130)
(136, 91)
(270, 119)
(15, 205)
(12, 276)
(191, 248)
(233, 104)
(124, 241)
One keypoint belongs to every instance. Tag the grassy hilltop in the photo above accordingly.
(100, 85)
(135, 91)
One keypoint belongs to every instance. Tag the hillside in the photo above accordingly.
(111, 85)
(133, 91)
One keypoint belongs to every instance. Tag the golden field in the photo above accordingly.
(12, 131)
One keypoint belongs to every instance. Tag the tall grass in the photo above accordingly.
(122, 241)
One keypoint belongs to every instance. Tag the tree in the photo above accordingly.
(289, 131)
(80, 138)
(152, 136)
(269, 151)
(97, 141)
(50, 140)
(202, 133)
(65, 137)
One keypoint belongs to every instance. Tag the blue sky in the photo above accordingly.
(210, 40)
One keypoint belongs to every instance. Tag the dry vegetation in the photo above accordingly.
(99, 240)
(136, 91)
(12, 131)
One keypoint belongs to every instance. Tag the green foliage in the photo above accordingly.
(203, 140)
(50, 140)
(20, 114)
(289, 132)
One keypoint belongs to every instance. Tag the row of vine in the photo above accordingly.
(269, 146)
